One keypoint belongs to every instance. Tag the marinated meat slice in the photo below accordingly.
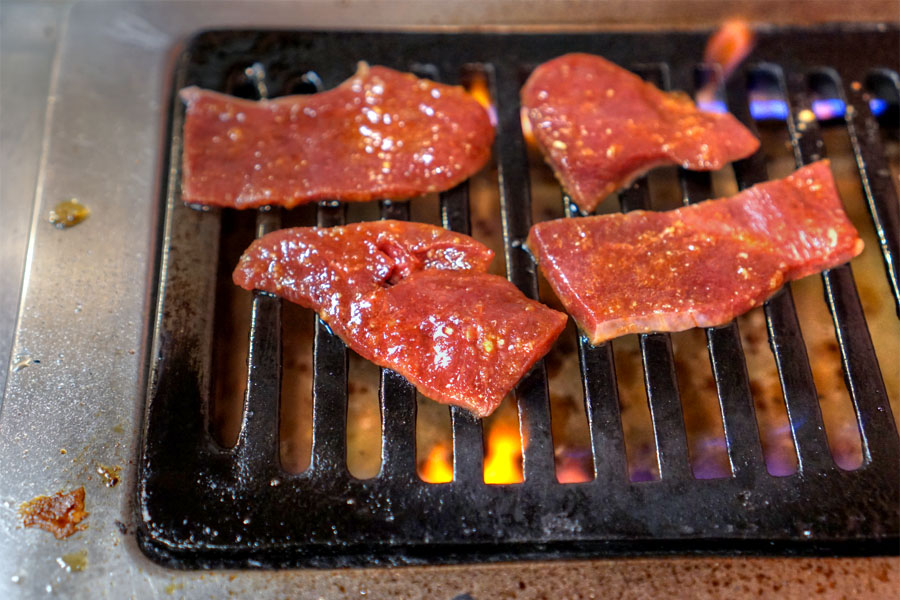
(697, 266)
(332, 270)
(411, 297)
(461, 337)
(600, 126)
(380, 134)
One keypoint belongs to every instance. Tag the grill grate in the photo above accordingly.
(203, 505)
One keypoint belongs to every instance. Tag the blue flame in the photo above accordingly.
(774, 109)
(824, 109)
(769, 108)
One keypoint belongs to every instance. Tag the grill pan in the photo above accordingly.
(201, 505)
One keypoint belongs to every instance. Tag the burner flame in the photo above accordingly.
(478, 89)
(527, 130)
(438, 466)
(729, 45)
(727, 48)
(503, 462)
(573, 465)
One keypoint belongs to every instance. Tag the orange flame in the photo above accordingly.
(438, 467)
(478, 89)
(527, 130)
(570, 469)
(503, 463)
(729, 45)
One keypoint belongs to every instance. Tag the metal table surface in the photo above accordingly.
(82, 101)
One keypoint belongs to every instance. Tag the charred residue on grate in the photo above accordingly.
(264, 503)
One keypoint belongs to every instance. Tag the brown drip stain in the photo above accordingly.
(59, 514)
(110, 475)
(69, 213)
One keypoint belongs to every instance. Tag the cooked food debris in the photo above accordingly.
(69, 213)
(697, 266)
(380, 134)
(73, 561)
(600, 126)
(413, 298)
(59, 514)
(173, 587)
(110, 475)
(21, 361)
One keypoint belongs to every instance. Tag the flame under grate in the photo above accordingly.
(201, 504)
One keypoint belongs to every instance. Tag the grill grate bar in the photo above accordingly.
(257, 444)
(532, 394)
(665, 406)
(861, 370)
(875, 177)
(726, 357)
(468, 437)
(782, 324)
(656, 348)
(398, 426)
(797, 384)
(468, 446)
(397, 398)
(330, 366)
(455, 209)
(726, 354)
(601, 398)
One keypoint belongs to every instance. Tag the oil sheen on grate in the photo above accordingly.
(199, 504)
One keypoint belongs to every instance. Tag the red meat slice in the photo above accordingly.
(600, 126)
(333, 270)
(697, 266)
(380, 134)
(414, 298)
(461, 337)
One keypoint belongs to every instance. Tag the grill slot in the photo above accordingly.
(200, 504)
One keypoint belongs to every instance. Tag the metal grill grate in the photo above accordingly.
(202, 505)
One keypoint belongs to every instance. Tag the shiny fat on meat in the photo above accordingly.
(380, 134)
(697, 266)
(413, 298)
(600, 126)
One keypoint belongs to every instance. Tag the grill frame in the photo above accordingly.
(194, 497)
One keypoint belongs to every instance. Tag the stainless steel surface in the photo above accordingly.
(103, 69)
(28, 40)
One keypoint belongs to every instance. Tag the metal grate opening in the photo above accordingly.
(202, 502)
